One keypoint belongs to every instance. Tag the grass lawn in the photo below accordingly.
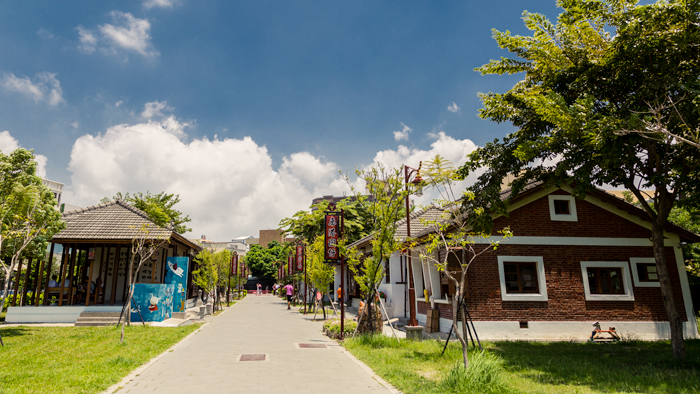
(526, 367)
(77, 359)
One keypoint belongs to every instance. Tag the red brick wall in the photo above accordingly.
(562, 264)
(533, 220)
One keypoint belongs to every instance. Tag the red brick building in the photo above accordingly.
(570, 263)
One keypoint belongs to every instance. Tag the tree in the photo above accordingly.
(158, 207)
(385, 185)
(27, 210)
(308, 225)
(319, 273)
(452, 243)
(212, 272)
(588, 79)
(146, 242)
(264, 263)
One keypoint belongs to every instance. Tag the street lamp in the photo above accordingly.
(418, 184)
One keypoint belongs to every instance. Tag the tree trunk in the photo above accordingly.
(674, 319)
(462, 340)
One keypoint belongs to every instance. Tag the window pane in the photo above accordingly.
(528, 278)
(604, 281)
(510, 268)
(592, 281)
(653, 276)
(561, 207)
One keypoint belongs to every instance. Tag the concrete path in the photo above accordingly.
(209, 360)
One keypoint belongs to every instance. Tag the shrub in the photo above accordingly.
(485, 375)
(333, 326)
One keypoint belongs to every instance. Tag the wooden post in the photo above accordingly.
(163, 264)
(16, 289)
(127, 274)
(23, 301)
(48, 275)
(99, 279)
(71, 276)
(38, 281)
(89, 281)
(115, 274)
(62, 278)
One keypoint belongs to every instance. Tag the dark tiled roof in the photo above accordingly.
(432, 213)
(114, 220)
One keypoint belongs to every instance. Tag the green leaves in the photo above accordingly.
(159, 208)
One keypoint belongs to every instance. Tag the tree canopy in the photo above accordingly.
(264, 263)
(159, 208)
(606, 70)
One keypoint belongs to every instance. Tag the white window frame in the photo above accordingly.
(541, 295)
(571, 217)
(626, 281)
(635, 274)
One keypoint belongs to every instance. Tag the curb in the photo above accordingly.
(118, 386)
(369, 370)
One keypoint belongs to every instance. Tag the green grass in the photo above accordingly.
(77, 359)
(527, 367)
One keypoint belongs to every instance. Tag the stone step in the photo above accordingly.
(100, 314)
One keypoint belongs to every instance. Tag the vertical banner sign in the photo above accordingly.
(299, 259)
(176, 275)
(290, 265)
(234, 264)
(332, 234)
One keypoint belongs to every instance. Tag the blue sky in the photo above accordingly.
(247, 109)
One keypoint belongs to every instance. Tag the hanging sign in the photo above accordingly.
(290, 265)
(234, 264)
(332, 235)
(299, 258)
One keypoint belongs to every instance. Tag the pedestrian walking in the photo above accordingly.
(290, 292)
(259, 287)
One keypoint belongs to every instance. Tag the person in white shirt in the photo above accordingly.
(53, 282)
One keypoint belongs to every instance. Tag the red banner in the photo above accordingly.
(299, 259)
(290, 265)
(234, 264)
(332, 234)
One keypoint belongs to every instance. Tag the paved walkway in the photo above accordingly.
(209, 360)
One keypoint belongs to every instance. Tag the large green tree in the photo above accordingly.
(264, 263)
(605, 69)
(159, 208)
(28, 214)
(308, 225)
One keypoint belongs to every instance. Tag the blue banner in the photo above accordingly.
(176, 271)
(153, 300)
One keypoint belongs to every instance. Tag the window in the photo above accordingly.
(562, 208)
(522, 278)
(607, 281)
(644, 272)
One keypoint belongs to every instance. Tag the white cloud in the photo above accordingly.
(229, 187)
(155, 109)
(126, 33)
(159, 3)
(403, 133)
(75, 125)
(8, 144)
(45, 34)
(453, 107)
(45, 87)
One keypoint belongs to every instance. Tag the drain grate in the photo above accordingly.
(311, 346)
(252, 357)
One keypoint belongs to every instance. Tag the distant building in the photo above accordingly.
(55, 187)
(267, 236)
(237, 245)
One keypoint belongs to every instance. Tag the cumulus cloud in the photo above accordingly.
(159, 3)
(8, 144)
(44, 87)
(403, 133)
(155, 109)
(229, 187)
(127, 33)
(453, 107)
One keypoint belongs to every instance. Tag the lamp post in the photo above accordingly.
(417, 180)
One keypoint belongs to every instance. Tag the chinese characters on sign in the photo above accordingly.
(332, 235)
(234, 264)
(290, 265)
(300, 258)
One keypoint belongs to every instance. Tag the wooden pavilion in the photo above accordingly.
(95, 248)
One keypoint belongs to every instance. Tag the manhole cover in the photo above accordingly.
(311, 346)
(252, 357)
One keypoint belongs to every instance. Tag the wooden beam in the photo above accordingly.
(23, 301)
(115, 274)
(99, 282)
(127, 274)
(39, 279)
(16, 289)
(64, 271)
(89, 282)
